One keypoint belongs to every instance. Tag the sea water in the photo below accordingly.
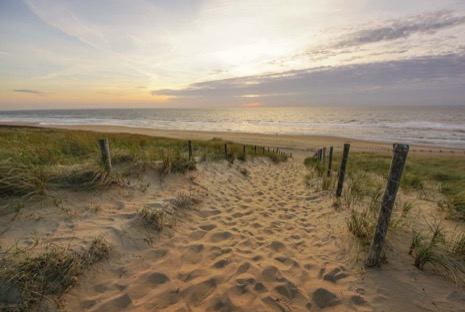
(423, 125)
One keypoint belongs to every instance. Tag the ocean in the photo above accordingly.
(431, 125)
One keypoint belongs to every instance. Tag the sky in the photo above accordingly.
(230, 53)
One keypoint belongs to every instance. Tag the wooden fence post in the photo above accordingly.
(263, 152)
(342, 170)
(330, 160)
(392, 185)
(323, 156)
(226, 150)
(189, 146)
(243, 150)
(105, 151)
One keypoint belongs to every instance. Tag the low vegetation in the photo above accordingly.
(153, 217)
(34, 161)
(438, 179)
(30, 281)
(186, 200)
(441, 252)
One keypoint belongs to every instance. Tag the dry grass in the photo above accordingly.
(20, 180)
(153, 217)
(173, 162)
(83, 178)
(29, 281)
(434, 250)
(186, 200)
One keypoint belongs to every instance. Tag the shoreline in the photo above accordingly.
(283, 141)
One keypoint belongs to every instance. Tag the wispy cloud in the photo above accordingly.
(28, 91)
(4, 53)
(390, 30)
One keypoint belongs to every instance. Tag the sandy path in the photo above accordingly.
(261, 242)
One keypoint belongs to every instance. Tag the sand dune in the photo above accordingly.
(260, 240)
(257, 242)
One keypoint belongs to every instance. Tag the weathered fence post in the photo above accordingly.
(105, 151)
(189, 146)
(323, 156)
(395, 174)
(255, 149)
(225, 150)
(263, 152)
(342, 170)
(330, 161)
(243, 150)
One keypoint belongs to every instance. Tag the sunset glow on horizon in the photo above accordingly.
(151, 53)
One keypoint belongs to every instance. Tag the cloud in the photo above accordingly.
(401, 28)
(354, 44)
(28, 91)
(411, 81)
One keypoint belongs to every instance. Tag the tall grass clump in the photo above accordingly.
(458, 203)
(275, 157)
(185, 200)
(433, 250)
(362, 223)
(29, 281)
(153, 217)
(173, 162)
(21, 180)
(84, 178)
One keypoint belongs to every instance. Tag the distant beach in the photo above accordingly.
(437, 126)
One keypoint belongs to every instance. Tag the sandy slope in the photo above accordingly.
(258, 242)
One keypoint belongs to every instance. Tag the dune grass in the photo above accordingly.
(34, 161)
(439, 178)
(30, 280)
(185, 200)
(152, 217)
(441, 252)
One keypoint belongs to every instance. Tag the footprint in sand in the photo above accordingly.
(220, 236)
(208, 213)
(217, 251)
(187, 277)
(197, 235)
(207, 227)
(277, 246)
(197, 293)
(221, 264)
(115, 304)
(156, 279)
(193, 254)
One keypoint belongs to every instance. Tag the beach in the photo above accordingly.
(291, 142)
(257, 238)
